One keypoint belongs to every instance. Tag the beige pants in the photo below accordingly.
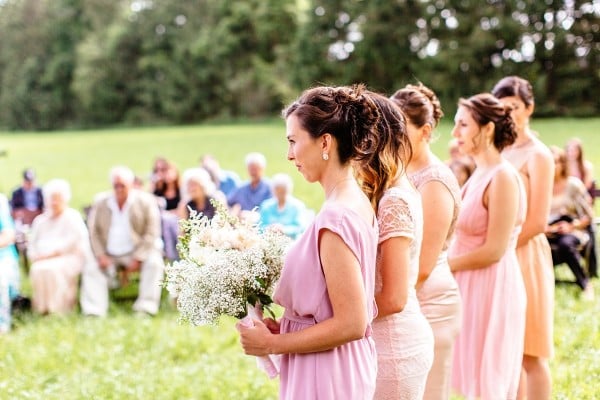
(95, 284)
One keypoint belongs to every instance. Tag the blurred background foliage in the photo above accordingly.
(90, 63)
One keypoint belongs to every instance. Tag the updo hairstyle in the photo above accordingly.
(514, 86)
(486, 108)
(419, 104)
(346, 113)
(393, 151)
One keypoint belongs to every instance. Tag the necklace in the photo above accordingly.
(330, 191)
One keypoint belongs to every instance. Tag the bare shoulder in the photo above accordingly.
(506, 178)
(541, 153)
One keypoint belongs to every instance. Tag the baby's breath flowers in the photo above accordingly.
(225, 265)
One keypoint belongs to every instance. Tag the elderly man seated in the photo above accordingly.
(251, 194)
(125, 235)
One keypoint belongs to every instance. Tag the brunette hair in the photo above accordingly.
(579, 160)
(161, 186)
(486, 108)
(514, 86)
(419, 104)
(392, 154)
(346, 112)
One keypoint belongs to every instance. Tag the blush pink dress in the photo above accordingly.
(489, 348)
(345, 372)
(404, 340)
(439, 296)
(535, 259)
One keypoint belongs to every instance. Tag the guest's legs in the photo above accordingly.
(538, 379)
(151, 275)
(94, 290)
(568, 252)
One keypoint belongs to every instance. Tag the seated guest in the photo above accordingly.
(283, 211)
(578, 166)
(125, 236)
(226, 181)
(459, 163)
(159, 169)
(27, 201)
(59, 246)
(250, 195)
(570, 216)
(9, 267)
(461, 170)
(200, 190)
(168, 188)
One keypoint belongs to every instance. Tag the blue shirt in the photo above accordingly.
(30, 198)
(248, 197)
(228, 182)
(291, 217)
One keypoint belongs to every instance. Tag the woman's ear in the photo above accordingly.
(426, 132)
(326, 141)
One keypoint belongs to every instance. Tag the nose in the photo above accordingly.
(290, 154)
(454, 132)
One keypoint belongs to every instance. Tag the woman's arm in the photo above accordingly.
(502, 197)
(541, 179)
(438, 209)
(588, 174)
(346, 293)
(7, 237)
(394, 268)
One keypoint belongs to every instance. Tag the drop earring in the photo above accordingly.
(325, 156)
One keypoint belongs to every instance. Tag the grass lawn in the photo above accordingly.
(124, 357)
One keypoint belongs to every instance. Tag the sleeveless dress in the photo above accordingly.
(535, 258)
(489, 348)
(439, 296)
(347, 371)
(404, 340)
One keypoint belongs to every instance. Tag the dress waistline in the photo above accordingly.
(310, 321)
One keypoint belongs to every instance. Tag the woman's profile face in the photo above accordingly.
(303, 150)
(467, 132)
(572, 150)
(520, 111)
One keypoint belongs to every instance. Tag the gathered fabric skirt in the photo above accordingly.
(439, 298)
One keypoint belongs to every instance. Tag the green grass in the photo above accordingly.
(124, 357)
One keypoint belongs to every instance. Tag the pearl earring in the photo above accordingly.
(325, 156)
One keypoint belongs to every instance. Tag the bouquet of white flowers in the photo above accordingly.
(227, 267)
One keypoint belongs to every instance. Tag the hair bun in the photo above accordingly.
(419, 104)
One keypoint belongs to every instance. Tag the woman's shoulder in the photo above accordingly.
(540, 149)
(339, 214)
(404, 192)
(436, 172)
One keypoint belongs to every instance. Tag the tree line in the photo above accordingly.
(84, 63)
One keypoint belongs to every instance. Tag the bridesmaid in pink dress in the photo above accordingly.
(534, 161)
(402, 335)
(489, 347)
(437, 290)
(327, 284)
